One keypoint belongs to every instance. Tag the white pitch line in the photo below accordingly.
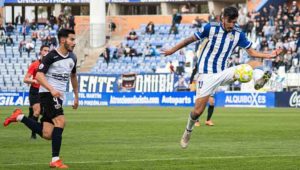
(153, 160)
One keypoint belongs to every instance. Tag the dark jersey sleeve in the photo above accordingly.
(74, 68)
(75, 65)
(46, 62)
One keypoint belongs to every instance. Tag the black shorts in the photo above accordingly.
(34, 96)
(51, 107)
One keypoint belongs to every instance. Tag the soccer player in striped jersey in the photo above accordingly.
(219, 39)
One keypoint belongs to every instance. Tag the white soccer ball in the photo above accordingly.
(243, 73)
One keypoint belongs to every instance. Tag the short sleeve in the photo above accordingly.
(74, 70)
(45, 64)
(243, 41)
(204, 33)
(31, 69)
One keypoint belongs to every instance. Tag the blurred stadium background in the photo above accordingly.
(119, 62)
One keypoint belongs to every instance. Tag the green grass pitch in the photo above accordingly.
(148, 138)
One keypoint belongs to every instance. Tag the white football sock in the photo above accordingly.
(190, 123)
(56, 158)
(257, 74)
(20, 117)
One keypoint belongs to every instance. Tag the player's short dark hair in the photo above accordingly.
(64, 33)
(43, 46)
(231, 12)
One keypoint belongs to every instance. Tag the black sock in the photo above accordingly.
(210, 112)
(33, 125)
(194, 117)
(30, 115)
(56, 140)
(33, 134)
(35, 118)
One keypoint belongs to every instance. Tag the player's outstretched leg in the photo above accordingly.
(261, 74)
(264, 78)
(18, 116)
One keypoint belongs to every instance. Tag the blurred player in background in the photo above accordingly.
(34, 99)
(219, 39)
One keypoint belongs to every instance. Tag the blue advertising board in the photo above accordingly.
(133, 99)
(222, 99)
(245, 99)
(139, 83)
(14, 99)
(287, 99)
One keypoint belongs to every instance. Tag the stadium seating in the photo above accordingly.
(142, 64)
(14, 65)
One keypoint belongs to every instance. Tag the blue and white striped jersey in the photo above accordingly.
(217, 46)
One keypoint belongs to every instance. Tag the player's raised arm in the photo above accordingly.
(180, 45)
(253, 53)
(195, 37)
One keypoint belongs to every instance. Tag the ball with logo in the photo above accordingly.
(243, 73)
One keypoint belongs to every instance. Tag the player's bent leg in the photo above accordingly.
(194, 115)
(17, 115)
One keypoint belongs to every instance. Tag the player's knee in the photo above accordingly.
(47, 135)
(36, 114)
(59, 123)
(36, 111)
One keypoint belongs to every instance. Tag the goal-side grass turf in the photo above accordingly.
(148, 138)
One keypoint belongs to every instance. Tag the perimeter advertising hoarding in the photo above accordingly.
(245, 99)
(133, 99)
(287, 99)
(14, 99)
(139, 83)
